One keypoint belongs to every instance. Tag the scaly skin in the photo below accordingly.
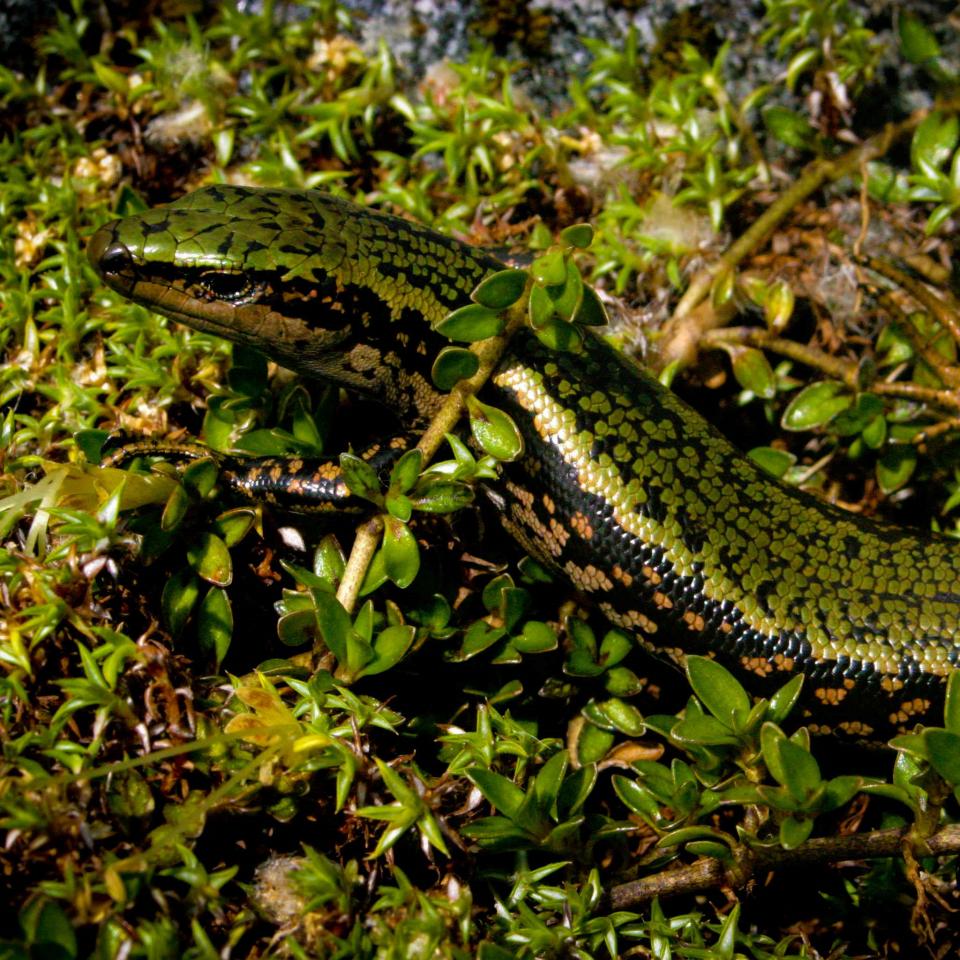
(622, 487)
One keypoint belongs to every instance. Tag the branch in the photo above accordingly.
(846, 371)
(941, 311)
(708, 873)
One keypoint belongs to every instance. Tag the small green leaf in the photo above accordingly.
(778, 306)
(234, 525)
(895, 467)
(540, 308)
(855, 418)
(113, 80)
(503, 794)
(501, 290)
(591, 312)
(799, 64)
(452, 365)
(718, 690)
(480, 636)
(406, 470)
(784, 700)
(215, 625)
(637, 798)
(223, 143)
(755, 288)
(815, 405)
(180, 594)
(710, 848)
(399, 505)
(568, 296)
(389, 648)
(622, 682)
(328, 560)
(795, 831)
(546, 786)
(401, 555)
(441, 496)
(494, 431)
(575, 790)
(593, 744)
(614, 647)
(89, 442)
(175, 509)
(940, 215)
(210, 558)
(540, 236)
(430, 828)
(360, 477)
(493, 591)
(683, 835)
(559, 335)
(702, 730)
(579, 235)
(723, 288)
(297, 628)
(775, 462)
(753, 372)
(201, 476)
(623, 716)
(875, 432)
(934, 140)
(797, 769)
(951, 703)
(470, 323)
(497, 833)
(581, 636)
(943, 748)
(893, 346)
(917, 41)
(580, 662)
(550, 270)
(790, 128)
(840, 791)
(333, 623)
(886, 184)
(536, 637)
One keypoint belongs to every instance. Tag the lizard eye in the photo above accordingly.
(232, 287)
(115, 260)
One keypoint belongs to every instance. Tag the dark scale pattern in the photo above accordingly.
(306, 485)
(644, 506)
(623, 488)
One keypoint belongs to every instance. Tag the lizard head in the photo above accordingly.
(318, 284)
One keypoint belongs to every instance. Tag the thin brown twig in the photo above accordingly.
(361, 554)
(935, 430)
(709, 874)
(843, 370)
(846, 371)
(941, 310)
(944, 399)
